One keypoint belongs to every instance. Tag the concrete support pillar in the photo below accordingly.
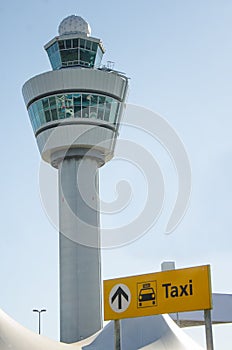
(80, 265)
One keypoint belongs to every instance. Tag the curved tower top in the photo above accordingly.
(76, 96)
(74, 46)
(74, 24)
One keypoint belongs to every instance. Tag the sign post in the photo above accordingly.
(208, 329)
(117, 335)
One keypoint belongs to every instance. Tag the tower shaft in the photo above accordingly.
(80, 269)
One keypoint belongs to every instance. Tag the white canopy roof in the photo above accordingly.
(155, 332)
(144, 333)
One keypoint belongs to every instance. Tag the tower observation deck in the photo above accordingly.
(75, 112)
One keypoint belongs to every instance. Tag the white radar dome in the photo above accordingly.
(74, 24)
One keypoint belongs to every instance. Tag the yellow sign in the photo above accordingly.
(163, 292)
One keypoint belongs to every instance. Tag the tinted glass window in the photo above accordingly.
(82, 43)
(54, 114)
(94, 46)
(61, 44)
(45, 103)
(73, 105)
(75, 43)
(47, 116)
(52, 102)
(68, 44)
(69, 55)
(88, 44)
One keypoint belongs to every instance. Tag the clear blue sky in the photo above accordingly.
(178, 55)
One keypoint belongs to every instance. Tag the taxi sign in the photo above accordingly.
(163, 292)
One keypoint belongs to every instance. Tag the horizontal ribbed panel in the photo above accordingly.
(79, 79)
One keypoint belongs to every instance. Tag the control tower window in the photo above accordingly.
(73, 105)
(54, 56)
(75, 52)
(76, 43)
(68, 44)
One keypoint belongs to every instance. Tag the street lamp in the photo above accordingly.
(39, 312)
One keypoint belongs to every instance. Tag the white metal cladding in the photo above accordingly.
(78, 79)
(76, 136)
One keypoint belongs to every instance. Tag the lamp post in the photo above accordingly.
(39, 312)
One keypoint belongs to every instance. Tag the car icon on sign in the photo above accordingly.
(147, 296)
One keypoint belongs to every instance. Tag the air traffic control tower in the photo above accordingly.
(75, 112)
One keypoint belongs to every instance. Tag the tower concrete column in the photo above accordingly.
(80, 260)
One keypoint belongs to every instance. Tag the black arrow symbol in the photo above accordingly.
(119, 294)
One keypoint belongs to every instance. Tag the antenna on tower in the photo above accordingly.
(110, 64)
